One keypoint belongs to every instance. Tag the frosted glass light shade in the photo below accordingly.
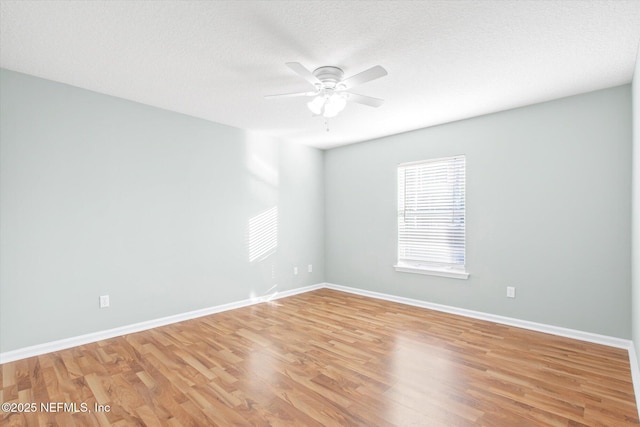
(327, 105)
(334, 105)
(316, 105)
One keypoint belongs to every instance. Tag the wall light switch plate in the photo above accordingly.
(295, 270)
(310, 268)
(511, 292)
(104, 301)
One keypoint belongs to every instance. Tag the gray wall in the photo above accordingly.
(105, 196)
(548, 211)
(635, 253)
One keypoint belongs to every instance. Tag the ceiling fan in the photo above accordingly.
(331, 89)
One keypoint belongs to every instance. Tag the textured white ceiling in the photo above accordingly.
(447, 60)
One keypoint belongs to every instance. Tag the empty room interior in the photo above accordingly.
(319, 213)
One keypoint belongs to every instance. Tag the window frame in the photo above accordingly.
(443, 269)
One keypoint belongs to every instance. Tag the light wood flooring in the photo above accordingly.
(327, 358)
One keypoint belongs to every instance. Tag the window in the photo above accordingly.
(431, 217)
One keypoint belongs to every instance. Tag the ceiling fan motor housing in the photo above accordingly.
(329, 76)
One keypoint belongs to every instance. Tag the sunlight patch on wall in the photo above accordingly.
(262, 159)
(263, 234)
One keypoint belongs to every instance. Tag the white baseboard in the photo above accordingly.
(510, 321)
(142, 326)
(36, 350)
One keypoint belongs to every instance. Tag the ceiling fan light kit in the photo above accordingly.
(327, 105)
(330, 95)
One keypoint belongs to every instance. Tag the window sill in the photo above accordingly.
(432, 271)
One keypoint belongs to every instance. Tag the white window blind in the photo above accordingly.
(431, 214)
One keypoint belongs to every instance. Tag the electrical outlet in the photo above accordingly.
(310, 268)
(295, 271)
(104, 301)
(511, 292)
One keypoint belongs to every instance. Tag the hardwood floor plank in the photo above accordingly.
(328, 358)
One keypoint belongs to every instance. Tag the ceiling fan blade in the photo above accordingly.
(365, 100)
(300, 70)
(365, 76)
(289, 95)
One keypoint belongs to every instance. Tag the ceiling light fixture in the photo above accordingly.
(328, 104)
